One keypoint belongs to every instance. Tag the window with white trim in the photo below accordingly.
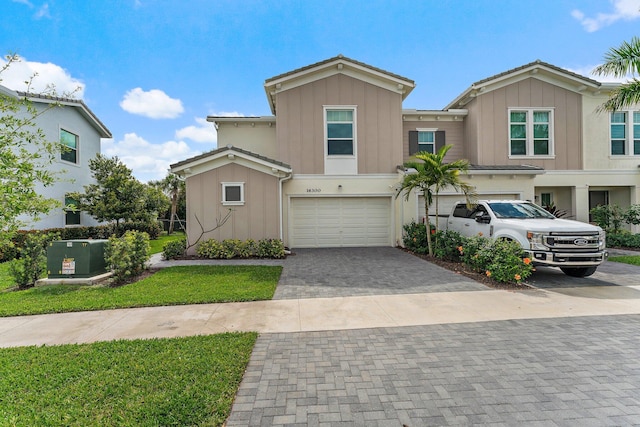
(625, 133)
(71, 213)
(427, 140)
(530, 132)
(340, 132)
(546, 199)
(233, 193)
(69, 142)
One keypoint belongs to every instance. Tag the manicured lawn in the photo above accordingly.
(160, 382)
(627, 259)
(157, 245)
(170, 286)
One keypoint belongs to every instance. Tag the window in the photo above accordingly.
(340, 136)
(618, 133)
(427, 141)
(625, 133)
(530, 132)
(233, 193)
(546, 199)
(71, 214)
(69, 143)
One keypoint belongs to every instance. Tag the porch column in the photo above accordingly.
(580, 202)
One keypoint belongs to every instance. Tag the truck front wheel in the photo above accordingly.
(578, 271)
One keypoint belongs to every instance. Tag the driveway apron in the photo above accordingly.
(343, 272)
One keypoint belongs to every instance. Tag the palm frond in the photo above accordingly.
(622, 60)
(624, 96)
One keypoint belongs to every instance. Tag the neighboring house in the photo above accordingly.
(324, 169)
(75, 126)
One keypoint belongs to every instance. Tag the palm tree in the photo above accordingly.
(432, 175)
(620, 62)
(174, 187)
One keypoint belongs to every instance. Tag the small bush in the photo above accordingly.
(446, 244)
(233, 248)
(502, 260)
(623, 240)
(415, 237)
(152, 228)
(31, 264)
(270, 248)
(174, 249)
(127, 255)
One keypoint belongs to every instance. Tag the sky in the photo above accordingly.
(153, 70)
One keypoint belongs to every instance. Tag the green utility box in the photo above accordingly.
(76, 259)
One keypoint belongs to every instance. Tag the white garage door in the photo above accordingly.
(447, 201)
(328, 222)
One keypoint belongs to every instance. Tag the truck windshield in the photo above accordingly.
(519, 210)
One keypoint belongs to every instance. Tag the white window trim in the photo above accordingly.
(628, 143)
(77, 134)
(224, 193)
(326, 108)
(530, 110)
(434, 130)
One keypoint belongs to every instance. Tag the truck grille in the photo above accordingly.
(577, 242)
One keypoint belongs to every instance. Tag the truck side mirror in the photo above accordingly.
(483, 217)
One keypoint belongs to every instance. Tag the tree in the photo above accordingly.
(620, 62)
(117, 195)
(25, 157)
(175, 188)
(432, 175)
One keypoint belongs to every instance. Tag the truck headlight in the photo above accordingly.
(602, 240)
(536, 240)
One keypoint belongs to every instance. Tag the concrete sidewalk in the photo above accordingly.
(318, 314)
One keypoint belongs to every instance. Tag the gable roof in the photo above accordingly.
(225, 155)
(537, 69)
(71, 102)
(337, 65)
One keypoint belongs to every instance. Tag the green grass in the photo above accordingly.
(170, 286)
(158, 244)
(160, 382)
(627, 259)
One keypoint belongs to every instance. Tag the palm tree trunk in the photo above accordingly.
(174, 209)
(426, 210)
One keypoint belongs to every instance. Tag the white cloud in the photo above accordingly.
(154, 104)
(204, 132)
(47, 76)
(147, 161)
(43, 11)
(627, 10)
(27, 2)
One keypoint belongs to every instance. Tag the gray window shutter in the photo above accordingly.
(440, 140)
(413, 142)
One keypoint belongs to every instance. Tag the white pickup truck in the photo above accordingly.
(576, 247)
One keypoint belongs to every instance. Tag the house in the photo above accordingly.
(76, 127)
(323, 170)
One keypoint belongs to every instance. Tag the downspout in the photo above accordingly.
(280, 196)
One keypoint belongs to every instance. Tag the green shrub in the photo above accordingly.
(446, 244)
(31, 263)
(8, 251)
(174, 249)
(233, 248)
(152, 228)
(476, 253)
(502, 260)
(623, 239)
(127, 255)
(270, 248)
(415, 237)
(609, 217)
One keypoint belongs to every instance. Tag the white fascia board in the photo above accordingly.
(433, 115)
(222, 158)
(504, 172)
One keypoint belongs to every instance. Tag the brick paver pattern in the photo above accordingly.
(566, 371)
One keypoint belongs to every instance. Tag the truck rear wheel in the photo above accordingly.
(578, 271)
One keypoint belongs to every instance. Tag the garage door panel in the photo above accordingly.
(340, 221)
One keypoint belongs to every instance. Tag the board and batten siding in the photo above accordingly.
(490, 114)
(256, 219)
(300, 127)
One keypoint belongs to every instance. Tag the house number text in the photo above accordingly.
(313, 190)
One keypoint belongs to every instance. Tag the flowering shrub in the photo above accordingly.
(446, 244)
(502, 260)
(415, 237)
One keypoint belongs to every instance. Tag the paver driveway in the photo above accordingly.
(341, 272)
(548, 372)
